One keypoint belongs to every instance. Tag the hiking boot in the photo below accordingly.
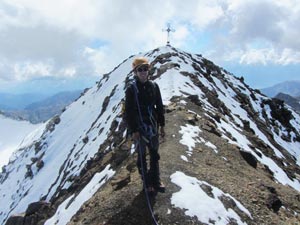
(160, 187)
(150, 190)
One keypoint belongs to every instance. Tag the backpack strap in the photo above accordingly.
(148, 131)
(135, 93)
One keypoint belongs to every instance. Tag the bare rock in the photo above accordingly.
(120, 181)
(35, 207)
(273, 202)
(17, 219)
(249, 158)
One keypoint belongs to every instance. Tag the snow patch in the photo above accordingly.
(70, 206)
(196, 202)
(210, 145)
(184, 158)
(190, 135)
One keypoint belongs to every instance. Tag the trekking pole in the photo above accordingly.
(144, 183)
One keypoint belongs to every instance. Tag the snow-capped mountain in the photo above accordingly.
(231, 155)
(12, 134)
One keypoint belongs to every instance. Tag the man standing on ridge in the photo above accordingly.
(145, 115)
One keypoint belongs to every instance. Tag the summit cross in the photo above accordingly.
(168, 30)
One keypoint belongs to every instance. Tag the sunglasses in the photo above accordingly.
(142, 69)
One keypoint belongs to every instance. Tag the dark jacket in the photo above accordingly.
(150, 104)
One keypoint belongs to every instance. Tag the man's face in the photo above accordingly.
(142, 73)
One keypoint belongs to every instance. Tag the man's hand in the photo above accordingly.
(136, 136)
(162, 132)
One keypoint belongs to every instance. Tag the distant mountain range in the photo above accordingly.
(35, 108)
(291, 88)
(19, 101)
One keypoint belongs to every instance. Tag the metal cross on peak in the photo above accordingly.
(168, 30)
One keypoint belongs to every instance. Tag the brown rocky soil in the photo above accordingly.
(122, 200)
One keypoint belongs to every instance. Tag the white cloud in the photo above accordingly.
(255, 19)
(255, 56)
(39, 43)
(260, 32)
(289, 56)
(81, 38)
(28, 70)
(99, 58)
(206, 14)
(265, 56)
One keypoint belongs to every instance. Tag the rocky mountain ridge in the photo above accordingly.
(294, 102)
(231, 155)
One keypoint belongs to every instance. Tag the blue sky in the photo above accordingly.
(49, 48)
